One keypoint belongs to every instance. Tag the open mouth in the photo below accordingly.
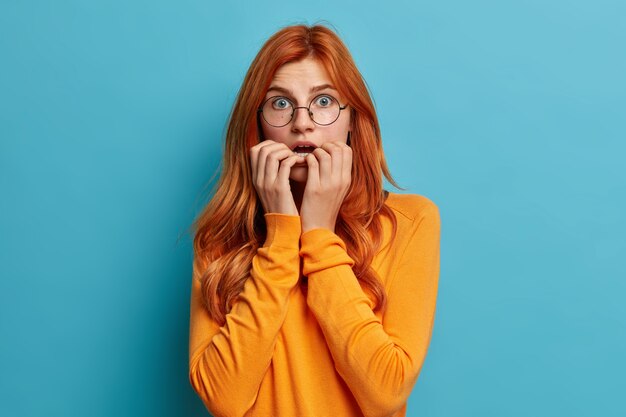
(303, 150)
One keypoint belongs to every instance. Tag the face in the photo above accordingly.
(297, 81)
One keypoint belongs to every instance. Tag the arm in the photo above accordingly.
(227, 364)
(379, 363)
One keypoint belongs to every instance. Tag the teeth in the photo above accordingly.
(303, 154)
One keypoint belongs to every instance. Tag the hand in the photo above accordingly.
(328, 180)
(271, 164)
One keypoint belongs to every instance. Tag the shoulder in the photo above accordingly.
(411, 207)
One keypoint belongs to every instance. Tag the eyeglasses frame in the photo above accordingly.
(293, 110)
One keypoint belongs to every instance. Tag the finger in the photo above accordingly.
(273, 160)
(335, 152)
(313, 174)
(254, 154)
(285, 168)
(262, 158)
(324, 162)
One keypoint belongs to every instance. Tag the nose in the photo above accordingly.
(302, 120)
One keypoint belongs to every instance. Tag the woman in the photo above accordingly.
(314, 289)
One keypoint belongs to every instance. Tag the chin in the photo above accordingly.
(298, 174)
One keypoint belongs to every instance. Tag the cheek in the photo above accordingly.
(342, 132)
(344, 128)
(275, 134)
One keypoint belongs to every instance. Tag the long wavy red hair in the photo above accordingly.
(231, 227)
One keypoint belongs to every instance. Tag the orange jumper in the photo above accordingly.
(287, 352)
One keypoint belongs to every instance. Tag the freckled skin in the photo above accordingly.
(299, 77)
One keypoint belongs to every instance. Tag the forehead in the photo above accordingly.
(301, 75)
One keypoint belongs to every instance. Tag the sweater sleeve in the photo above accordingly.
(228, 363)
(379, 362)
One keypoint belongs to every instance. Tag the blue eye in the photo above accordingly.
(324, 101)
(281, 103)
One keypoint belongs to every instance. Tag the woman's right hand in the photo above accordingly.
(271, 165)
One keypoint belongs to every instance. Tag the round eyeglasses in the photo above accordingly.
(278, 111)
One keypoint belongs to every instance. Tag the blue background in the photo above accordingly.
(510, 115)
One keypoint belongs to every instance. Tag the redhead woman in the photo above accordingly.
(314, 289)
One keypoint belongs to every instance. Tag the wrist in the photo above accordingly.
(283, 230)
(307, 227)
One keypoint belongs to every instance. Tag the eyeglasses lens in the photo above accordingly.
(278, 111)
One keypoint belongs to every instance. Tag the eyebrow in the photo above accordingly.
(312, 90)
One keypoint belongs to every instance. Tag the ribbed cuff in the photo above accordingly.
(322, 249)
(282, 230)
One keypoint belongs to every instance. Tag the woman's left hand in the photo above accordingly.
(328, 180)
